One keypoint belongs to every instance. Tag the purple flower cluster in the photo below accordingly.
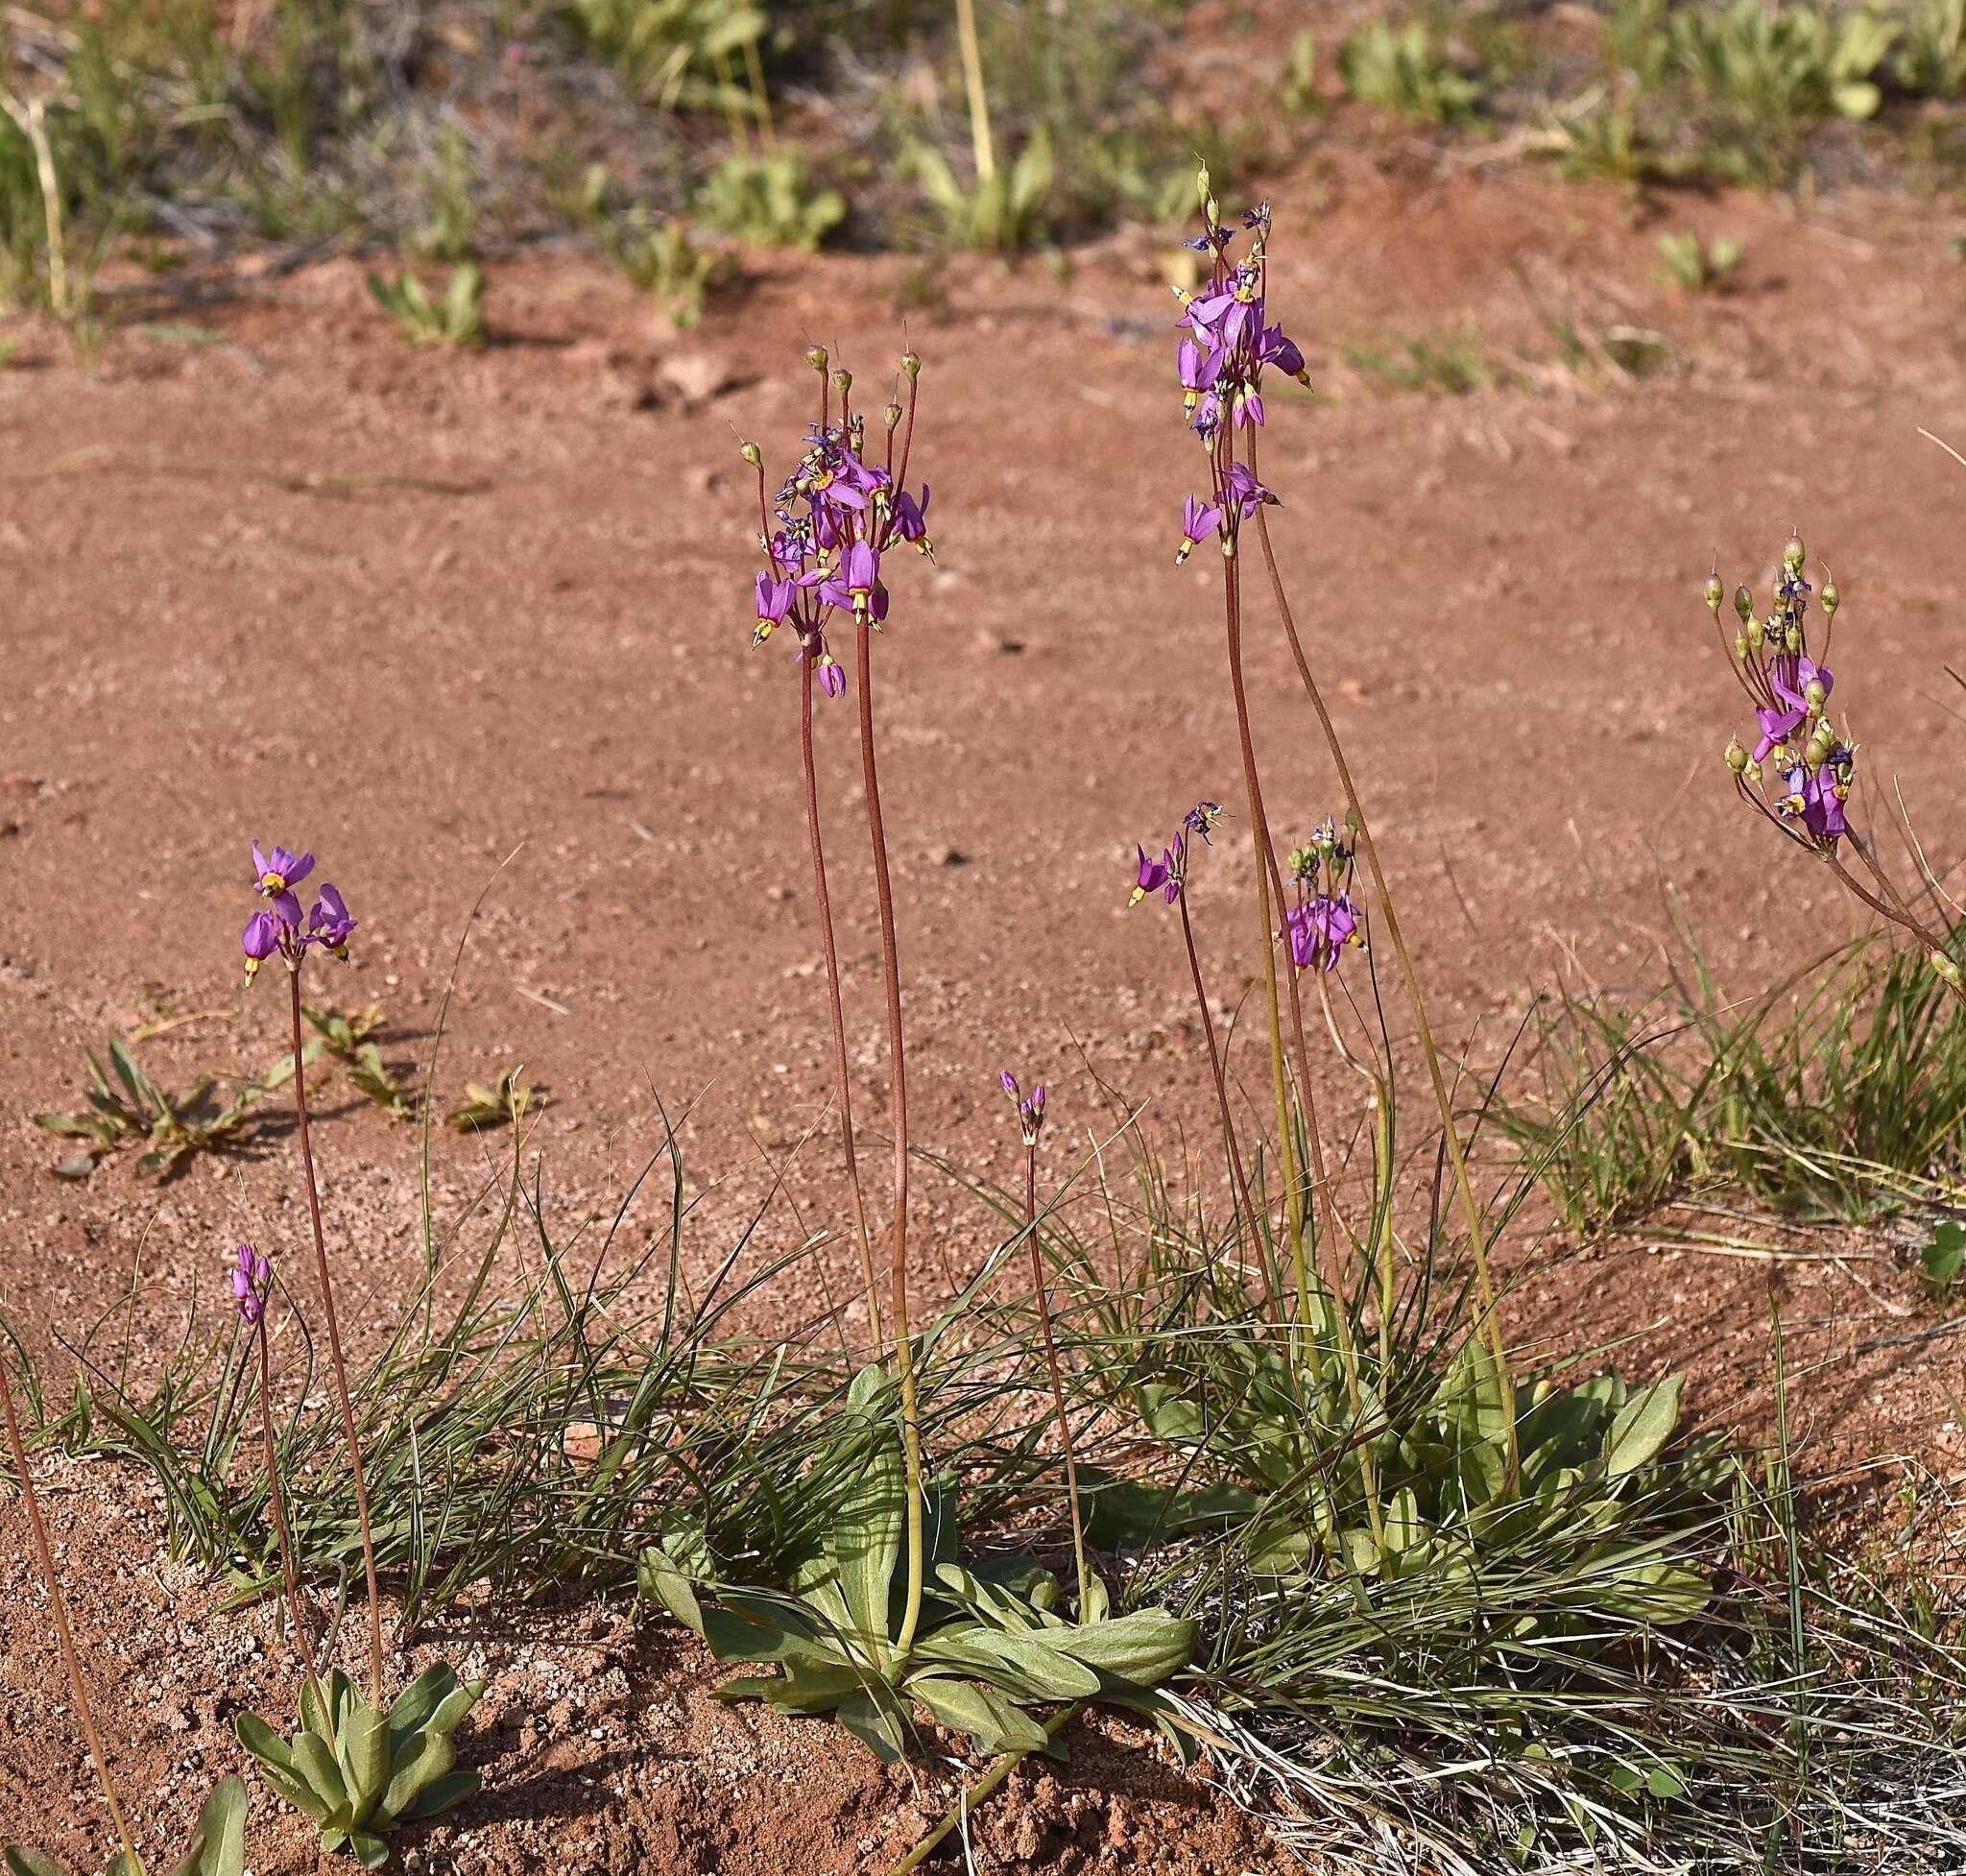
(277, 928)
(1324, 920)
(1224, 350)
(1810, 764)
(251, 1279)
(835, 518)
(1030, 1107)
(1168, 874)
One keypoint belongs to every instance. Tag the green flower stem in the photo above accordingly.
(1072, 1470)
(966, 1805)
(58, 1605)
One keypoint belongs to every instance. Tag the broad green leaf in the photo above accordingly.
(866, 1540)
(411, 1709)
(873, 1719)
(23, 1862)
(362, 1748)
(970, 1707)
(453, 1787)
(371, 1852)
(218, 1844)
(1049, 1672)
(315, 1762)
(430, 1757)
(1143, 1649)
(262, 1741)
(1643, 1427)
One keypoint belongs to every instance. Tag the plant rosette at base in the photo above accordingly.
(217, 1846)
(361, 1775)
(991, 1643)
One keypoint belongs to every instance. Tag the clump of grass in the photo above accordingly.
(1402, 69)
(771, 201)
(455, 320)
(1697, 266)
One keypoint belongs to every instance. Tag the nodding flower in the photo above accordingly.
(911, 521)
(1197, 370)
(1245, 491)
(1198, 520)
(252, 1275)
(1164, 875)
(275, 874)
(260, 939)
(1274, 348)
(1202, 819)
(329, 924)
(856, 582)
(1320, 928)
(774, 603)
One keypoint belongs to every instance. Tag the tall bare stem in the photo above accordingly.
(1072, 1470)
(296, 1610)
(898, 1076)
(334, 1348)
(58, 1605)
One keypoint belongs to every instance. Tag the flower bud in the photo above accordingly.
(1832, 599)
(843, 381)
(1791, 639)
(1204, 188)
(817, 359)
(1743, 603)
(1814, 696)
(1213, 209)
(752, 454)
(1736, 755)
(1792, 554)
(1716, 593)
(911, 362)
(1741, 646)
(1816, 753)
(1756, 632)
(891, 415)
(1944, 969)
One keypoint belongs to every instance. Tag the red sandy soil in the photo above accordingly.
(540, 644)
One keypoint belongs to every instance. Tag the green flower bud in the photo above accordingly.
(1716, 593)
(891, 418)
(1814, 696)
(1743, 603)
(1944, 969)
(752, 454)
(911, 362)
(1832, 599)
(1756, 632)
(1736, 755)
(1203, 189)
(1792, 554)
(817, 359)
(1816, 753)
(1791, 639)
(843, 381)
(1741, 646)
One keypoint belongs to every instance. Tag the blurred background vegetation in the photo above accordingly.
(670, 134)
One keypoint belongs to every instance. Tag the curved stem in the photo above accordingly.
(297, 1611)
(965, 1806)
(898, 1073)
(843, 1083)
(1072, 1470)
(58, 1606)
(1450, 1132)
(334, 1346)
(1248, 1217)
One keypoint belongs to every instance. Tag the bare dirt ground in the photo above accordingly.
(219, 618)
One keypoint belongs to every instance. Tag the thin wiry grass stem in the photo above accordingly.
(1450, 1131)
(296, 1610)
(334, 1348)
(897, 1074)
(843, 1081)
(57, 1607)
(1249, 1217)
(1071, 1469)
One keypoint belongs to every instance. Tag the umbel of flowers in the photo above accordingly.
(1799, 770)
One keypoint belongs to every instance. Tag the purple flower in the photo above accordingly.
(1198, 370)
(1272, 348)
(1320, 928)
(251, 1274)
(275, 874)
(857, 582)
(1241, 488)
(1197, 521)
(911, 521)
(1201, 819)
(831, 678)
(329, 924)
(1162, 875)
(1030, 1110)
(773, 602)
(260, 939)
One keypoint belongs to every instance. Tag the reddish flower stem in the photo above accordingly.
(296, 1610)
(1072, 1470)
(334, 1347)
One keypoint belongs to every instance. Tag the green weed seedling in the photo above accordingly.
(500, 1105)
(136, 1109)
(348, 1040)
(1942, 1262)
(217, 1846)
(665, 262)
(992, 1645)
(456, 320)
(1696, 266)
(1006, 211)
(362, 1774)
(1399, 70)
(771, 201)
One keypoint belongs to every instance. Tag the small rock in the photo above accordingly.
(698, 375)
(947, 855)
